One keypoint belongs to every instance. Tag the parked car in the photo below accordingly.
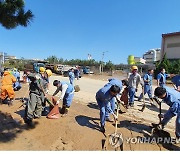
(86, 70)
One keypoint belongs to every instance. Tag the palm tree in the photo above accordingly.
(12, 14)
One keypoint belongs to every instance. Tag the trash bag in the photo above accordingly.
(54, 113)
(76, 88)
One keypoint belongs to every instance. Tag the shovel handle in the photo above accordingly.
(160, 107)
(48, 101)
(160, 111)
(143, 94)
(116, 122)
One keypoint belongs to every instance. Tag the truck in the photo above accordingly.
(33, 66)
(58, 69)
(86, 70)
(66, 69)
(50, 67)
(62, 69)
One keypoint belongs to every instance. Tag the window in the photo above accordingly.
(173, 45)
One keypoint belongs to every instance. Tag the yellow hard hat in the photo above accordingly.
(134, 68)
(42, 69)
(49, 72)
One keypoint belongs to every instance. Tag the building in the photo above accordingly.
(171, 46)
(152, 55)
(8, 57)
(139, 60)
(1, 57)
(5, 57)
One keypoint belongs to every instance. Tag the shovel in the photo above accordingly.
(23, 101)
(144, 105)
(115, 140)
(156, 127)
(49, 102)
(121, 106)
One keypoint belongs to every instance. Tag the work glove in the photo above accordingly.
(115, 117)
(57, 102)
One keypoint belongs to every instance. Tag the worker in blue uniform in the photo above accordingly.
(161, 77)
(172, 98)
(16, 86)
(112, 81)
(77, 73)
(104, 97)
(71, 76)
(16, 74)
(147, 85)
(176, 82)
(67, 94)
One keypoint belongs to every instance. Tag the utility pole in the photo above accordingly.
(102, 61)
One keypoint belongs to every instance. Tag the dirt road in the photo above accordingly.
(80, 129)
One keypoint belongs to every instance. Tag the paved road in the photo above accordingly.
(88, 87)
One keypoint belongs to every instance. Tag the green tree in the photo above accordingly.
(12, 14)
(172, 66)
(165, 63)
(15, 63)
(12, 62)
(52, 60)
(61, 61)
(109, 65)
(175, 67)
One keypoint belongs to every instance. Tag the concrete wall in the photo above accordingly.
(171, 46)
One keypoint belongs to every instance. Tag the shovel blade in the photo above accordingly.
(115, 140)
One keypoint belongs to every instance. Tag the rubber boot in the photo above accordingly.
(63, 109)
(5, 101)
(29, 123)
(66, 109)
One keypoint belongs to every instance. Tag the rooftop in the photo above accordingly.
(170, 34)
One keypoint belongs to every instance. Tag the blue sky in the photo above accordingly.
(73, 28)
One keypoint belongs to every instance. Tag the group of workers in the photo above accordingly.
(38, 90)
(105, 97)
(108, 94)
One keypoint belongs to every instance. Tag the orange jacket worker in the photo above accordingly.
(7, 87)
